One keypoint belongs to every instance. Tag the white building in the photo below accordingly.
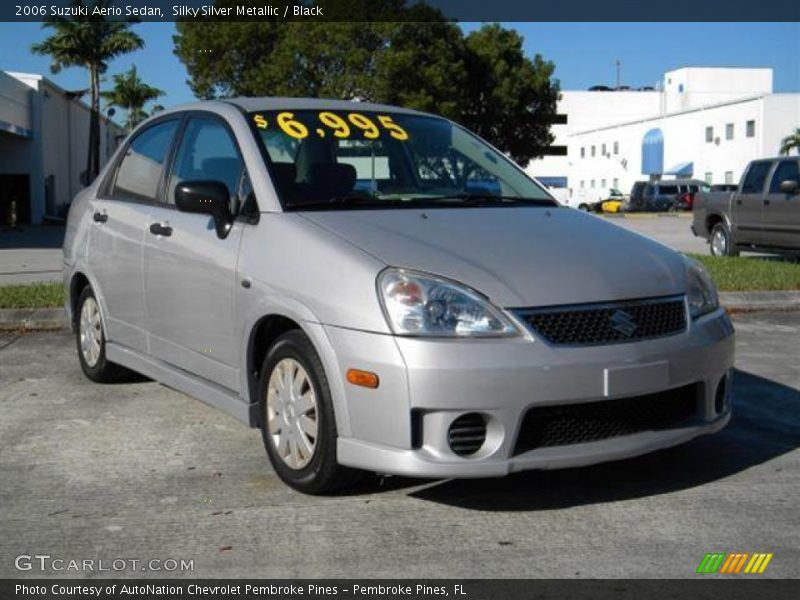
(44, 134)
(706, 123)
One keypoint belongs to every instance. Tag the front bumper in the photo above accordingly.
(401, 427)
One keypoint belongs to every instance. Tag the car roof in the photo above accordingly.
(282, 103)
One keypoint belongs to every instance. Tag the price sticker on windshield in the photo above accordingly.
(330, 124)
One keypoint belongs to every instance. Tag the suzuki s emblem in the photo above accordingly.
(623, 322)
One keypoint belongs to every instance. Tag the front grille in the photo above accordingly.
(467, 434)
(611, 323)
(592, 421)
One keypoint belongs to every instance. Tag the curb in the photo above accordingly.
(755, 301)
(645, 215)
(53, 319)
(33, 319)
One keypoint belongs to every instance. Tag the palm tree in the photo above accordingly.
(90, 42)
(791, 142)
(132, 94)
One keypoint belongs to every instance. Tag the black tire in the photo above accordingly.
(721, 243)
(101, 371)
(584, 208)
(323, 474)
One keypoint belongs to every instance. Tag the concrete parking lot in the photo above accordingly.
(138, 471)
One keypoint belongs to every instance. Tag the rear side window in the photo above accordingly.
(756, 177)
(668, 189)
(207, 152)
(786, 169)
(139, 173)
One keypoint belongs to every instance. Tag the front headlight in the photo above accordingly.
(425, 305)
(701, 291)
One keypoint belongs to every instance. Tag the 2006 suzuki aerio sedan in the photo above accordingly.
(378, 289)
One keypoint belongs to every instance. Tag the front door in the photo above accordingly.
(120, 216)
(189, 272)
(781, 222)
(749, 202)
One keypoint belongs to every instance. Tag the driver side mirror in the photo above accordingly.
(206, 198)
(789, 186)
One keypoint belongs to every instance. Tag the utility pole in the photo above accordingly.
(617, 63)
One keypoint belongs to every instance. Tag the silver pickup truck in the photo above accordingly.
(762, 215)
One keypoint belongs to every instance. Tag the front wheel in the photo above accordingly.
(722, 242)
(298, 424)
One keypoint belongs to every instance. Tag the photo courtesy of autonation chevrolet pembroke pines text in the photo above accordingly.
(382, 299)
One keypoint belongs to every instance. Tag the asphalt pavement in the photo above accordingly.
(138, 471)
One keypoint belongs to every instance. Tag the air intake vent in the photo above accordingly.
(467, 434)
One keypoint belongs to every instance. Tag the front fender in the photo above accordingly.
(275, 304)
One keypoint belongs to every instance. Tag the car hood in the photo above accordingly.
(517, 256)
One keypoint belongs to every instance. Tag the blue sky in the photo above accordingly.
(584, 53)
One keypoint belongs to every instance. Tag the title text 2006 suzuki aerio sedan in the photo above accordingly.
(377, 289)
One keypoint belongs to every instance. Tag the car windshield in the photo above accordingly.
(342, 159)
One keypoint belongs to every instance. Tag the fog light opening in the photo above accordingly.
(721, 396)
(467, 434)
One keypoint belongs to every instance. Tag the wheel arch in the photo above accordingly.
(77, 283)
(262, 333)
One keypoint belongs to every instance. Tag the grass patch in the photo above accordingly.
(34, 295)
(741, 274)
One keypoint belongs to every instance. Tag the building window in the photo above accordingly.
(616, 147)
(592, 184)
(616, 182)
(583, 184)
(593, 152)
(728, 176)
(603, 183)
(709, 134)
(709, 178)
(583, 152)
(603, 151)
(750, 129)
(729, 131)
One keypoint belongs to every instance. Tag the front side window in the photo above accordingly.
(756, 177)
(139, 173)
(343, 159)
(207, 152)
(786, 170)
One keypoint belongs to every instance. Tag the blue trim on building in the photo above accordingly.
(653, 152)
(15, 129)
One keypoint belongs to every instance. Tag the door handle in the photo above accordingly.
(161, 229)
(100, 217)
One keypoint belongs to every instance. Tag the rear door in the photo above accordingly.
(189, 272)
(748, 203)
(121, 215)
(781, 212)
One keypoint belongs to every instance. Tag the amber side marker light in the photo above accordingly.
(362, 378)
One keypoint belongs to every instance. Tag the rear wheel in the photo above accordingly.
(91, 340)
(721, 241)
(298, 424)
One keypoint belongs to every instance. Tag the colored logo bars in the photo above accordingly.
(734, 563)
